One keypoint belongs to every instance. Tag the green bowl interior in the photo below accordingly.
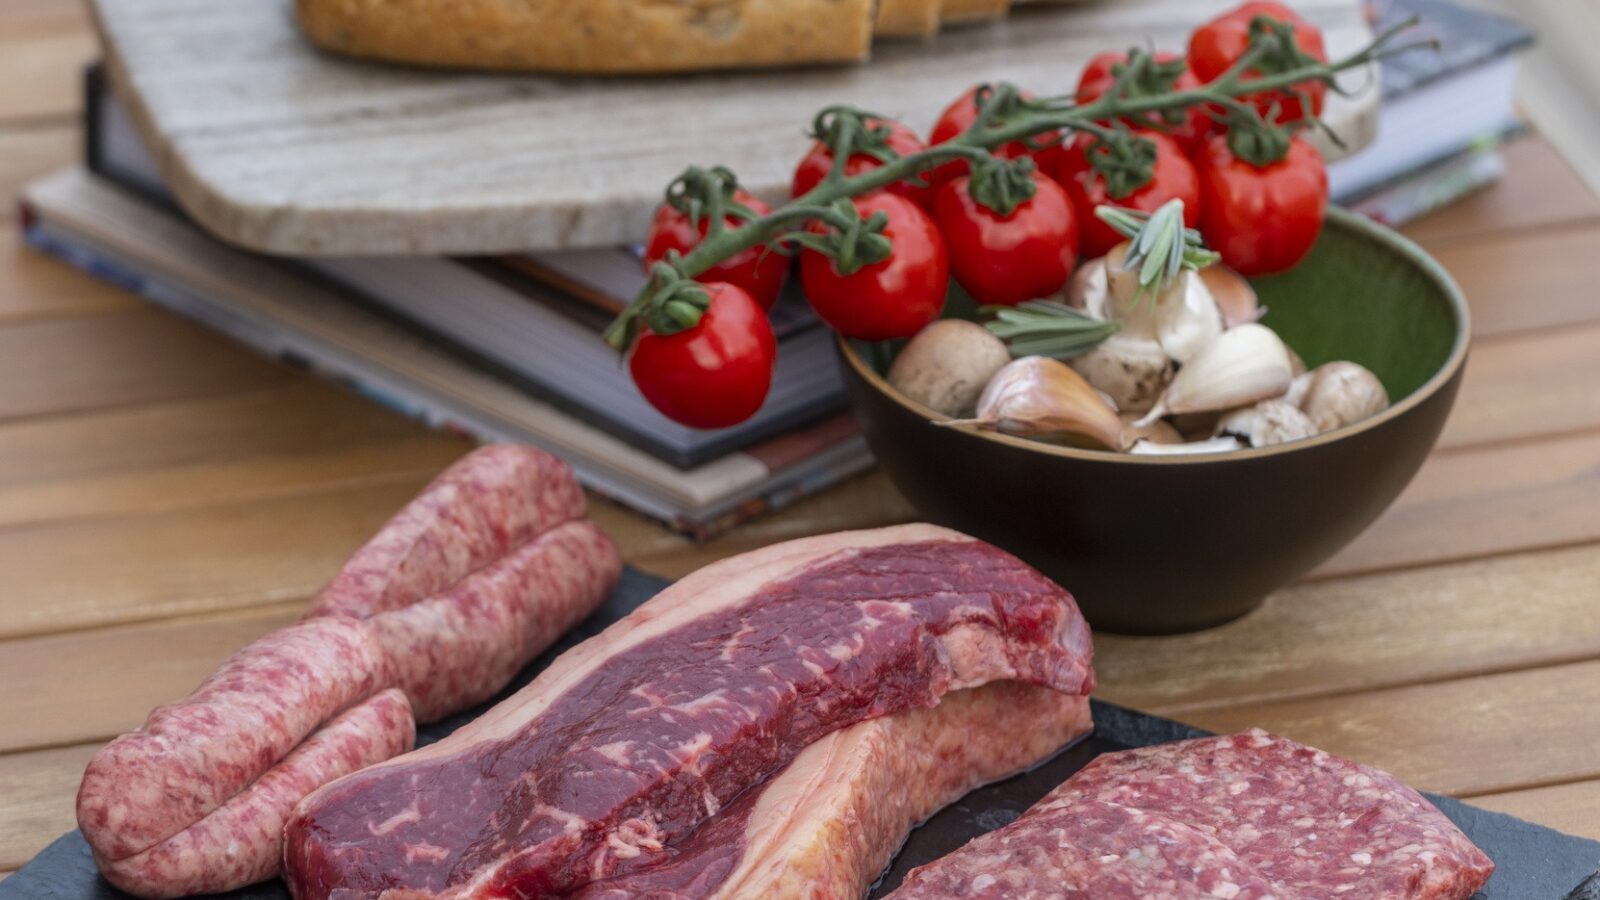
(1364, 294)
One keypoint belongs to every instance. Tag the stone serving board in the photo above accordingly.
(278, 147)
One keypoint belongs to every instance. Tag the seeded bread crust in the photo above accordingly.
(592, 36)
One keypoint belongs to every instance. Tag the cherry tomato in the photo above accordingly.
(712, 375)
(1218, 44)
(1008, 259)
(756, 271)
(1098, 77)
(1261, 219)
(1172, 176)
(893, 298)
(956, 118)
(818, 162)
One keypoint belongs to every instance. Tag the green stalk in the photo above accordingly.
(1032, 118)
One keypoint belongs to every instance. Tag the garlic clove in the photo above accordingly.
(1266, 423)
(1087, 288)
(947, 364)
(1296, 393)
(1237, 368)
(1042, 398)
(1187, 319)
(1214, 445)
(1132, 371)
(1157, 432)
(1234, 296)
(1342, 393)
(1126, 304)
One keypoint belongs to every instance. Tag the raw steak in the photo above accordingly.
(1248, 815)
(628, 743)
(830, 823)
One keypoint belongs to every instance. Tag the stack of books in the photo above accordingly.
(509, 348)
(1444, 116)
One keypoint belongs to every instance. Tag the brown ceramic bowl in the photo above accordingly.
(1168, 544)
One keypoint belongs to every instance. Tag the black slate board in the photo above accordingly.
(1534, 863)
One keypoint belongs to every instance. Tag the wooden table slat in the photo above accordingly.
(1527, 385)
(43, 52)
(27, 152)
(1573, 807)
(1357, 634)
(60, 366)
(80, 574)
(1477, 735)
(118, 675)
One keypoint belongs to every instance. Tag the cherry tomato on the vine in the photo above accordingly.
(818, 162)
(1217, 45)
(956, 118)
(757, 271)
(1172, 176)
(892, 298)
(1261, 219)
(1005, 260)
(1099, 76)
(714, 374)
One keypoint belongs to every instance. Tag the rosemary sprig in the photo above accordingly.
(1161, 246)
(1047, 328)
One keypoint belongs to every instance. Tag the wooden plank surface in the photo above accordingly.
(165, 497)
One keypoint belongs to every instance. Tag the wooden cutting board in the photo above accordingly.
(283, 149)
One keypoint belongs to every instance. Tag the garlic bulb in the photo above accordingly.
(1342, 393)
(1187, 318)
(1157, 432)
(1087, 288)
(1039, 397)
(1126, 304)
(1214, 445)
(946, 366)
(1266, 423)
(1238, 367)
(1132, 371)
(1234, 296)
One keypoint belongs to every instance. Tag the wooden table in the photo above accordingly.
(165, 496)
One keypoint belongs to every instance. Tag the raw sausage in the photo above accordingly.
(458, 648)
(192, 756)
(476, 511)
(241, 842)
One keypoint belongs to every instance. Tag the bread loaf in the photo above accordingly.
(958, 12)
(594, 36)
(907, 18)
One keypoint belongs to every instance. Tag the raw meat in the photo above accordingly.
(1231, 816)
(241, 842)
(192, 756)
(459, 648)
(476, 511)
(828, 825)
(460, 590)
(628, 743)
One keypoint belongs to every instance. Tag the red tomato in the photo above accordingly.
(1173, 176)
(1008, 259)
(893, 298)
(956, 118)
(756, 271)
(1218, 44)
(818, 162)
(712, 375)
(1261, 219)
(1098, 77)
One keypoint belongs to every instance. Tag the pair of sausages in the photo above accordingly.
(483, 570)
